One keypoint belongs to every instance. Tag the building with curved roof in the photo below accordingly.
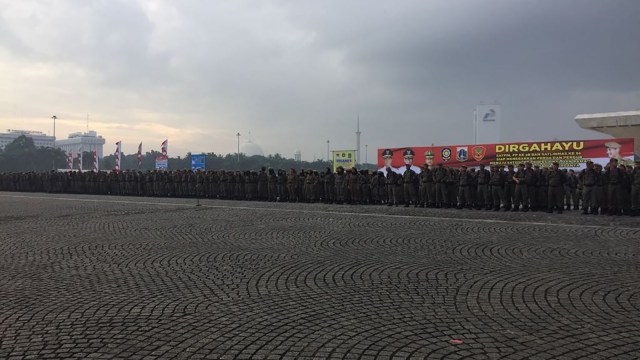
(624, 124)
(251, 149)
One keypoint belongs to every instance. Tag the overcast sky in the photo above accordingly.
(297, 73)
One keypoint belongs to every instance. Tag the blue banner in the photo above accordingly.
(197, 162)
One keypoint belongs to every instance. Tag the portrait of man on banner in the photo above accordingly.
(387, 155)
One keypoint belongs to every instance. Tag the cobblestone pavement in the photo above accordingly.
(116, 277)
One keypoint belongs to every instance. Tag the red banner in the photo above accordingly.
(571, 154)
(162, 162)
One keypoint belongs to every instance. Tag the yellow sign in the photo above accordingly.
(344, 158)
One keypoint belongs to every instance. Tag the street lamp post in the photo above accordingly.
(54, 140)
(54, 130)
(238, 135)
(366, 153)
(328, 158)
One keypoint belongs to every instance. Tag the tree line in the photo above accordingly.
(22, 156)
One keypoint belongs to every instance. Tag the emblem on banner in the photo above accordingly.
(446, 154)
(479, 152)
(462, 153)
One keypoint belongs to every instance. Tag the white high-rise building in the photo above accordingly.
(39, 139)
(297, 155)
(89, 141)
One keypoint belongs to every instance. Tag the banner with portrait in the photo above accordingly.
(162, 162)
(570, 154)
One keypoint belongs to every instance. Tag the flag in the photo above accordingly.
(139, 155)
(117, 167)
(80, 159)
(164, 147)
(94, 153)
(69, 160)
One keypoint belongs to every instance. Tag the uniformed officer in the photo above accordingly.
(571, 191)
(625, 190)
(389, 184)
(262, 185)
(635, 189)
(531, 180)
(378, 188)
(496, 183)
(310, 182)
(556, 178)
(302, 174)
(453, 177)
(340, 184)
(398, 189)
(329, 186)
(509, 188)
(283, 194)
(292, 185)
(365, 187)
(425, 177)
(482, 192)
(601, 190)
(464, 190)
(613, 178)
(589, 179)
(409, 179)
(541, 187)
(440, 178)
(353, 182)
(520, 195)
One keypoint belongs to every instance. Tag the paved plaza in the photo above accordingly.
(132, 278)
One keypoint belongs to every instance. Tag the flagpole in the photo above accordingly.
(475, 126)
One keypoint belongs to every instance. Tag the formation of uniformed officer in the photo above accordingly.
(613, 190)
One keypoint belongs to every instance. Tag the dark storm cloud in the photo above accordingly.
(298, 73)
(526, 55)
(581, 44)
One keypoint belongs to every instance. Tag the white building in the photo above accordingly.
(89, 141)
(39, 139)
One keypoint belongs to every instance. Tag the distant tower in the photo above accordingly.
(358, 142)
(297, 155)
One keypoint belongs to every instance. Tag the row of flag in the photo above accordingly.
(94, 155)
(164, 148)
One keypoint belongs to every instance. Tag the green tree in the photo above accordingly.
(22, 155)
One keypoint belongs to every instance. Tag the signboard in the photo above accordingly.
(488, 123)
(162, 162)
(344, 158)
(570, 154)
(197, 162)
(488, 112)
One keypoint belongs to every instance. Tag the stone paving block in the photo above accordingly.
(117, 277)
